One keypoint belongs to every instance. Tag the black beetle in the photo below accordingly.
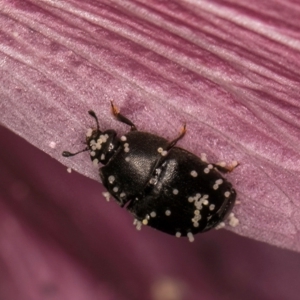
(163, 186)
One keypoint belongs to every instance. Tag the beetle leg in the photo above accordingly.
(223, 168)
(121, 118)
(181, 135)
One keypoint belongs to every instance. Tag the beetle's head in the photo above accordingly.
(101, 144)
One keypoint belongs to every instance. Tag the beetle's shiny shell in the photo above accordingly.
(173, 191)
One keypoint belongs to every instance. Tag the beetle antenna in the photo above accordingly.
(69, 154)
(93, 114)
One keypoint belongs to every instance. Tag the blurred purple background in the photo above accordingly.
(60, 239)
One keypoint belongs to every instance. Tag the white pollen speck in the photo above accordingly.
(210, 166)
(196, 219)
(212, 207)
(160, 150)
(127, 159)
(190, 199)
(106, 196)
(92, 153)
(95, 162)
(219, 181)
(190, 237)
(102, 157)
(126, 149)
(111, 179)
(168, 212)
(206, 170)
(227, 194)
(89, 132)
(115, 189)
(196, 224)
(135, 221)
(52, 145)
(122, 195)
(196, 212)
(153, 214)
(234, 164)
(233, 221)
(145, 222)
(194, 173)
(220, 226)
(205, 202)
(138, 225)
(126, 145)
(215, 186)
(103, 138)
(198, 204)
(178, 234)
(222, 164)
(164, 153)
(123, 138)
(203, 157)
(69, 170)
(153, 181)
(175, 191)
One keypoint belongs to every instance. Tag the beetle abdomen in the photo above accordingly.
(188, 195)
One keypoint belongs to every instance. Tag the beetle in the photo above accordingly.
(162, 185)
